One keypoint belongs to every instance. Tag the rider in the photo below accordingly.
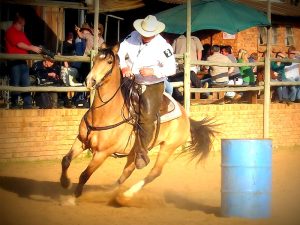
(146, 56)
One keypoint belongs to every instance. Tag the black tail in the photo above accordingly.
(202, 136)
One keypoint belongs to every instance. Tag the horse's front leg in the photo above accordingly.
(97, 160)
(128, 168)
(76, 149)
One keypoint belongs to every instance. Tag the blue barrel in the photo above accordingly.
(246, 178)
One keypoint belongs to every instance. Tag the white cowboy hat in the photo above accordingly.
(149, 26)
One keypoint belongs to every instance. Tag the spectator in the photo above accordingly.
(235, 75)
(68, 46)
(86, 33)
(292, 74)
(279, 75)
(246, 71)
(68, 49)
(17, 43)
(253, 58)
(179, 46)
(235, 78)
(79, 46)
(219, 74)
(47, 73)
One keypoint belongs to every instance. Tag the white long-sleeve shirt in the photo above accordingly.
(157, 54)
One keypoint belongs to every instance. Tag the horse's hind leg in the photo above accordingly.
(163, 156)
(97, 160)
(76, 149)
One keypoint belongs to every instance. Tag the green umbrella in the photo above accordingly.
(224, 15)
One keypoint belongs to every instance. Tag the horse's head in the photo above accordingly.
(104, 64)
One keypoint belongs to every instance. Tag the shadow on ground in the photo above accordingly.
(182, 202)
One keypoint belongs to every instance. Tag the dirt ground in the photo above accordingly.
(184, 194)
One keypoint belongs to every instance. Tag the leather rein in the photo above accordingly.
(125, 120)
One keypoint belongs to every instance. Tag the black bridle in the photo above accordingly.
(90, 128)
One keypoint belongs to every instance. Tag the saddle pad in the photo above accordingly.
(170, 109)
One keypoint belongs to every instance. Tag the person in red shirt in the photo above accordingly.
(16, 42)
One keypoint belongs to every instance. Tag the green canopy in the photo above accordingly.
(224, 15)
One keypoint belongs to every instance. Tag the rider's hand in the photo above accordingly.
(126, 72)
(145, 71)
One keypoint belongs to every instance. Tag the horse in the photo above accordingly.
(107, 129)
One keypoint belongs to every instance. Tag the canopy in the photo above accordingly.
(224, 15)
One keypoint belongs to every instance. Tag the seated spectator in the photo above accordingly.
(219, 74)
(292, 74)
(253, 58)
(235, 75)
(68, 49)
(246, 71)
(235, 78)
(47, 72)
(278, 69)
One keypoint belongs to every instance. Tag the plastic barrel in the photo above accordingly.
(246, 181)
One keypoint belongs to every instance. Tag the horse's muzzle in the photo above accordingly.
(90, 83)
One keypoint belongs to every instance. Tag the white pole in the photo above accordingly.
(96, 22)
(267, 95)
(187, 59)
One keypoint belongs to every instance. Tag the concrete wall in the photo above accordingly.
(49, 134)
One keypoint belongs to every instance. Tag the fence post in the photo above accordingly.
(92, 91)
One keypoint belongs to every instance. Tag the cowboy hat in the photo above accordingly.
(149, 26)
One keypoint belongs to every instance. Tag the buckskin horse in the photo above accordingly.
(107, 128)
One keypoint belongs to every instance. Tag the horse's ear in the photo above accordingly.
(115, 48)
(103, 45)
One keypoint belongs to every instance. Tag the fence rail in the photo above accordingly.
(61, 58)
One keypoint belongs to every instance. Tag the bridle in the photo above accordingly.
(107, 74)
(90, 127)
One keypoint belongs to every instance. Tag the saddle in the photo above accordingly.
(169, 109)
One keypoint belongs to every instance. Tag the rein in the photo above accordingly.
(92, 128)
(125, 120)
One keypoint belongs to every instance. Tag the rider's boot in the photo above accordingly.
(141, 154)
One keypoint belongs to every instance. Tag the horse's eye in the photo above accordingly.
(110, 61)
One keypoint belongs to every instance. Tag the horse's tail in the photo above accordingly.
(202, 135)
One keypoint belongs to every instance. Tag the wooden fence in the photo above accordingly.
(61, 58)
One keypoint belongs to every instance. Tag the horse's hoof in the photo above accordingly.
(68, 201)
(65, 182)
(122, 200)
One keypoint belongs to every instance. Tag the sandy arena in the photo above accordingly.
(185, 194)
